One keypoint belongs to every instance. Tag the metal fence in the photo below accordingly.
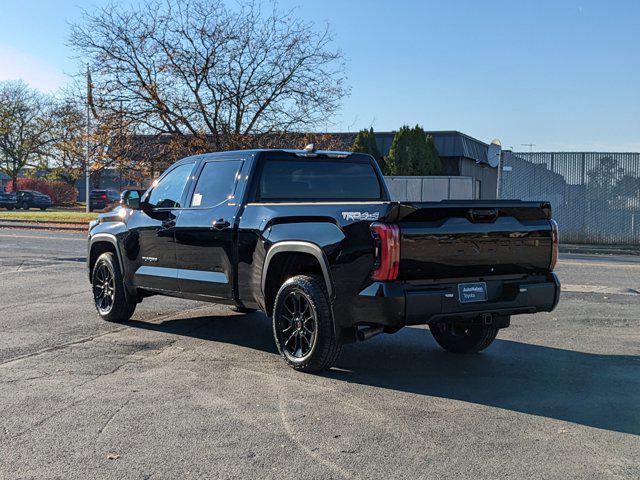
(595, 196)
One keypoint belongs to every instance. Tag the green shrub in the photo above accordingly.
(413, 153)
(365, 142)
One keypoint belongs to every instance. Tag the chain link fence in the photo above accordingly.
(595, 196)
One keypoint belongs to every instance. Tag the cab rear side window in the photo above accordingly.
(216, 184)
(318, 180)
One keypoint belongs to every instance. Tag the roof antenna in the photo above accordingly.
(310, 148)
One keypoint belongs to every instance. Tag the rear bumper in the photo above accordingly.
(397, 304)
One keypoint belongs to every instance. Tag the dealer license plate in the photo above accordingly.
(472, 292)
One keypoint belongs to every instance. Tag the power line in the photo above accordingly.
(530, 145)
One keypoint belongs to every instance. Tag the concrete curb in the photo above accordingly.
(42, 222)
(43, 226)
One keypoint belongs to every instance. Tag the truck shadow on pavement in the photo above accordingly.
(601, 391)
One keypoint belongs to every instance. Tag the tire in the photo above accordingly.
(9, 208)
(463, 339)
(305, 336)
(43, 208)
(243, 309)
(25, 206)
(107, 280)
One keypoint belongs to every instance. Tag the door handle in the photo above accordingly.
(220, 224)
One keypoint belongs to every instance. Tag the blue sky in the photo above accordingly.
(564, 74)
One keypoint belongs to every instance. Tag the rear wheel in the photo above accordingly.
(303, 325)
(112, 301)
(458, 338)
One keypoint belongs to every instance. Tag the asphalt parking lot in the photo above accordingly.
(192, 390)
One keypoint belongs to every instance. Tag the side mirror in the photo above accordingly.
(153, 212)
(131, 199)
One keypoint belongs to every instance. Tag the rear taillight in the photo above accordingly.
(103, 197)
(387, 241)
(555, 240)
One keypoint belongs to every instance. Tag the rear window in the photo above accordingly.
(318, 180)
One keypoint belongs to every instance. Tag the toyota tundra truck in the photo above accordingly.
(313, 239)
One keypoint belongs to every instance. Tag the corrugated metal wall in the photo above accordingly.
(595, 196)
(486, 175)
(431, 189)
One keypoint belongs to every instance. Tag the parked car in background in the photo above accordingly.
(8, 200)
(27, 199)
(103, 199)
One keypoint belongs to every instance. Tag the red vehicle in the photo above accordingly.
(103, 199)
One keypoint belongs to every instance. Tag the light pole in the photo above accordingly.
(87, 167)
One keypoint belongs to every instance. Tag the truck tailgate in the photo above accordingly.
(457, 239)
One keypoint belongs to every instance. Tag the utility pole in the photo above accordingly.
(499, 176)
(87, 169)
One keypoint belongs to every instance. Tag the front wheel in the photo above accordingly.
(303, 325)
(25, 206)
(112, 301)
(463, 338)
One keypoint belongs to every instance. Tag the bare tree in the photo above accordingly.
(108, 141)
(198, 68)
(25, 128)
(68, 147)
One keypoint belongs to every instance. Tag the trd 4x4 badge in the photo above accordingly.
(356, 216)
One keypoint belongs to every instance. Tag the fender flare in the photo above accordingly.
(104, 237)
(301, 247)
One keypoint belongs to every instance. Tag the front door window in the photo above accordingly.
(168, 192)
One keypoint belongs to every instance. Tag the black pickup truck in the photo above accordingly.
(312, 239)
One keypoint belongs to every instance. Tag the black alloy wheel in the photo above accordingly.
(298, 324)
(113, 302)
(303, 325)
(104, 289)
